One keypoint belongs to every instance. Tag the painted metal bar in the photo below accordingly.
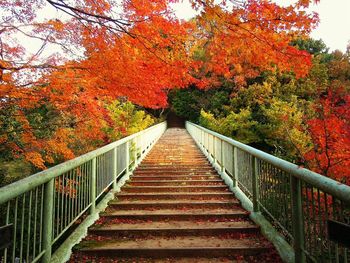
(7, 221)
(15, 231)
(135, 151)
(93, 186)
(22, 228)
(222, 156)
(235, 167)
(41, 219)
(255, 186)
(298, 220)
(127, 158)
(115, 168)
(29, 225)
(47, 227)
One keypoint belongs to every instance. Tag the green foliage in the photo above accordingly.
(126, 119)
(314, 47)
(10, 129)
(339, 70)
(187, 103)
(239, 126)
(284, 129)
(11, 171)
(270, 114)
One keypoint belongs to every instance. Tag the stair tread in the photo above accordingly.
(175, 224)
(181, 187)
(230, 211)
(176, 193)
(172, 202)
(178, 181)
(188, 243)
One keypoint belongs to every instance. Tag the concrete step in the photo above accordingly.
(176, 228)
(191, 246)
(176, 196)
(135, 182)
(162, 189)
(174, 173)
(174, 177)
(175, 167)
(173, 205)
(168, 214)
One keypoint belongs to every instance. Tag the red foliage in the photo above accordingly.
(140, 54)
(330, 132)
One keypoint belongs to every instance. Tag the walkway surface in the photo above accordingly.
(175, 208)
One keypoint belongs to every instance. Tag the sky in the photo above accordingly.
(334, 27)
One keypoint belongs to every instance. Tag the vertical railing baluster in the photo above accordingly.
(58, 217)
(70, 192)
(297, 219)
(255, 183)
(127, 158)
(207, 147)
(235, 167)
(93, 186)
(29, 225)
(135, 153)
(22, 228)
(66, 184)
(202, 138)
(47, 222)
(15, 231)
(222, 156)
(215, 158)
(41, 219)
(7, 222)
(115, 168)
(62, 202)
(335, 216)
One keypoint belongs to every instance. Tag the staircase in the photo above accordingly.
(175, 208)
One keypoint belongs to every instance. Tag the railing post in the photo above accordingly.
(115, 168)
(135, 152)
(215, 159)
(208, 145)
(255, 183)
(47, 220)
(127, 158)
(222, 156)
(297, 219)
(93, 186)
(202, 138)
(235, 167)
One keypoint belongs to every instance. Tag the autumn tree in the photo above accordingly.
(330, 132)
(239, 41)
(132, 48)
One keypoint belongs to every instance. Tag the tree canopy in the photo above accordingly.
(254, 55)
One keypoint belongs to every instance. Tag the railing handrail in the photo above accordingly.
(328, 185)
(19, 187)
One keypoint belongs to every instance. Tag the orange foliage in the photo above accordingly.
(242, 42)
(140, 54)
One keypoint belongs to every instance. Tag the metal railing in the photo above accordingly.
(42, 209)
(297, 202)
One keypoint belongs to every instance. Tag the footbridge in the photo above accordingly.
(175, 195)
